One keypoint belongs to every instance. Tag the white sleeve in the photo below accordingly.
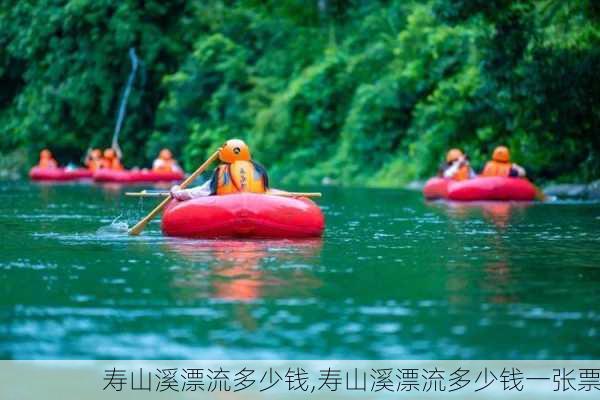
(451, 170)
(200, 191)
(157, 163)
(520, 170)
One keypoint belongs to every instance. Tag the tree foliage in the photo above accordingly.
(363, 92)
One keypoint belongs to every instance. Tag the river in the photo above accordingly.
(394, 277)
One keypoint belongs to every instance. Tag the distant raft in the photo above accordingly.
(136, 176)
(480, 188)
(243, 215)
(436, 188)
(59, 174)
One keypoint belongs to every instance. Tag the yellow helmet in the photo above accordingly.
(96, 153)
(453, 155)
(110, 154)
(234, 150)
(165, 154)
(501, 154)
(45, 154)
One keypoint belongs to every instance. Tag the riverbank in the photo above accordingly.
(12, 165)
(589, 191)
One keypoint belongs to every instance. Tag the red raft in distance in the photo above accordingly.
(243, 215)
(481, 188)
(136, 176)
(436, 188)
(59, 174)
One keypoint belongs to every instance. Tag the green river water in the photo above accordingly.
(394, 277)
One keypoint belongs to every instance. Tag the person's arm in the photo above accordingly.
(517, 171)
(188, 194)
(175, 167)
(117, 164)
(486, 169)
(452, 170)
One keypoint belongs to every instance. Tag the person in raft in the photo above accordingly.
(46, 160)
(236, 173)
(457, 166)
(111, 160)
(165, 162)
(501, 165)
(93, 160)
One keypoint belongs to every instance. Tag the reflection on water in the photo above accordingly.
(394, 277)
(238, 270)
(497, 212)
(497, 280)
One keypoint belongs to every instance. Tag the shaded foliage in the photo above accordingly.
(363, 92)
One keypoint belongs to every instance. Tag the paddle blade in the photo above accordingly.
(139, 227)
(540, 195)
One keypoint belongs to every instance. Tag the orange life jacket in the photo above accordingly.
(93, 164)
(239, 176)
(47, 163)
(462, 174)
(114, 164)
(496, 168)
(164, 165)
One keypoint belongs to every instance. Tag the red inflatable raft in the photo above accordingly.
(436, 188)
(245, 215)
(136, 176)
(59, 174)
(481, 188)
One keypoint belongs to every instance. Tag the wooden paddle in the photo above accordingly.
(139, 227)
(144, 193)
(539, 194)
(284, 193)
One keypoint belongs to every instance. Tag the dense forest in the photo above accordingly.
(362, 92)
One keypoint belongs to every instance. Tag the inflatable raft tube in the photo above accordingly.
(492, 188)
(480, 189)
(436, 188)
(135, 176)
(243, 215)
(59, 174)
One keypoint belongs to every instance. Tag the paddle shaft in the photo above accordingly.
(539, 194)
(147, 194)
(296, 194)
(139, 227)
(282, 194)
